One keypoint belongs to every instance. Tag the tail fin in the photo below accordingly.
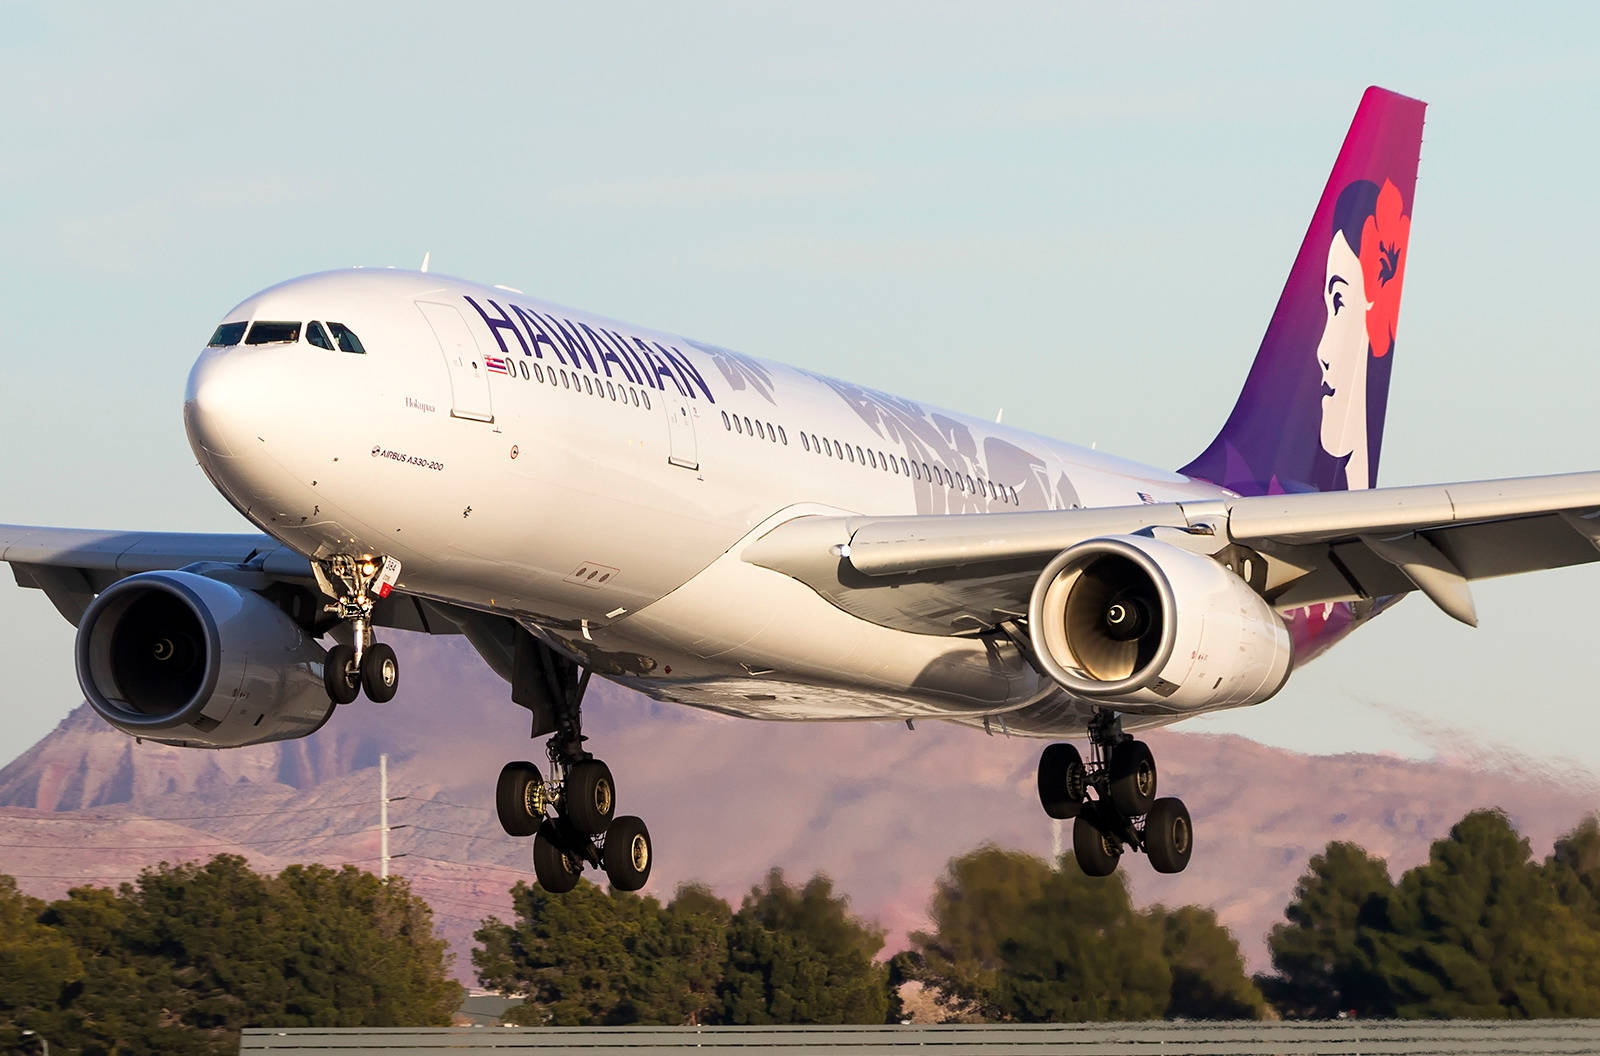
(1310, 417)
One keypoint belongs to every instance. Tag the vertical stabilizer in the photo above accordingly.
(1310, 416)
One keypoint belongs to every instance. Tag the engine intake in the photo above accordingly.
(1155, 628)
(183, 659)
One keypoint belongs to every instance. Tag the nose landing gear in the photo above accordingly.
(572, 817)
(362, 664)
(1124, 813)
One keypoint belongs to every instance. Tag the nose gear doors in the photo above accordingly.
(469, 374)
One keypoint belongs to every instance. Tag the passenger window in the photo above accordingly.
(905, 470)
(872, 458)
(736, 426)
(565, 384)
(346, 338)
(783, 437)
(538, 373)
(315, 335)
(633, 394)
(273, 334)
(760, 432)
(227, 334)
(748, 428)
(806, 444)
(588, 386)
(725, 423)
(647, 401)
(848, 452)
(915, 472)
(611, 392)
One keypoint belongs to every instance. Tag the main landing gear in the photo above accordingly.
(572, 816)
(1125, 813)
(362, 664)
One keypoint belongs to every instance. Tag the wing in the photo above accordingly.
(72, 565)
(971, 573)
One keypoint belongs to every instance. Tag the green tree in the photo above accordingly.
(1014, 939)
(1323, 967)
(1573, 869)
(181, 960)
(1479, 932)
(797, 955)
(41, 975)
(1208, 976)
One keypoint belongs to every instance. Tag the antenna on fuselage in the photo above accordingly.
(998, 415)
(426, 254)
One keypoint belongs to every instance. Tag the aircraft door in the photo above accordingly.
(684, 449)
(469, 376)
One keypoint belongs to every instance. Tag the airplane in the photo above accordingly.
(579, 496)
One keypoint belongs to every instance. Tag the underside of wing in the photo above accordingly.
(957, 574)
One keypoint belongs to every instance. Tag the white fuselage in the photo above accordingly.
(597, 481)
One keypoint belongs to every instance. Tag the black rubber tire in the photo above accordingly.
(380, 674)
(1062, 781)
(556, 868)
(1097, 853)
(1133, 778)
(590, 797)
(339, 674)
(511, 798)
(628, 854)
(1168, 835)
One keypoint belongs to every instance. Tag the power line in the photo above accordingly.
(179, 846)
(102, 818)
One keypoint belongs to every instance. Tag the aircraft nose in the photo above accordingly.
(217, 404)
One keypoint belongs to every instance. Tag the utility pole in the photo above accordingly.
(384, 828)
(383, 816)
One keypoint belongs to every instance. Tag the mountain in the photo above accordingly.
(877, 806)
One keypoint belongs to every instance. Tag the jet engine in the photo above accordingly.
(183, 659)
(1153, 628)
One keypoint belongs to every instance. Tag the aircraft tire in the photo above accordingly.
(628, 853)
(590, 797)
(339, 674)
(512, 795)
(1062, 781)
(1168, 835)
(380, 674)
(1097, 853)
(556, 868)
(1133, 778)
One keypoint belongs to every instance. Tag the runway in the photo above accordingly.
(1366, 1038)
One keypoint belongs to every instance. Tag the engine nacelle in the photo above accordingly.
(1153, 628)
(182, 659)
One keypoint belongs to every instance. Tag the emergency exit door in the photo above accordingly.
(683, 449)
(469, 377)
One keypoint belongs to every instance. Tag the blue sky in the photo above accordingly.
(1081, 214)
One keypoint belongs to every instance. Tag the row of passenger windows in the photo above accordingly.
(758, 429)
(583, 383)
(899, 465)
(266, 332)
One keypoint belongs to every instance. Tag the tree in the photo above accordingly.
(1479, 932)
(40, 973)
(1014, 939)
(1573, 869)
(797, 955)
(181, 960)
(1208, 976)
(1322, 967)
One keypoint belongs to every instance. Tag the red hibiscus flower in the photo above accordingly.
(1384, 238)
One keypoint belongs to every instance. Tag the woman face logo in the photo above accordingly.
(1342, 354)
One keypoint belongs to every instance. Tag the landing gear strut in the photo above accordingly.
(1124, 813)
(355, 584)
(572, 816)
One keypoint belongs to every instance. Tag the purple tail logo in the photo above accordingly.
(1310, 416)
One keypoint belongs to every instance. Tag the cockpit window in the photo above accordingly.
(348, 341)
(227, 334)
(263, 333)
(318, 336)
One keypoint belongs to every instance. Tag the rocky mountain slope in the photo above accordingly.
(879, 807)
